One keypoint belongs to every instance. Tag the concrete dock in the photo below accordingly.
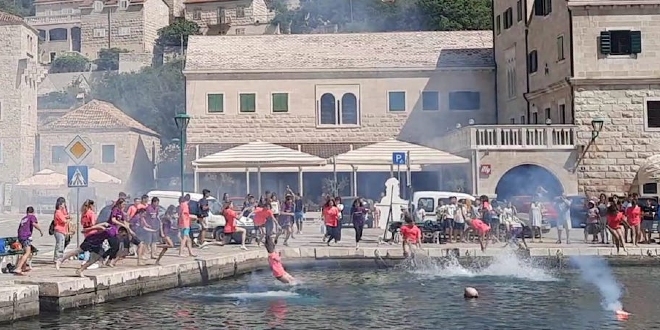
(47, 289)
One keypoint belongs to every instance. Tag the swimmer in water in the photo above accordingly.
(276, 263)
(411, 234)
(482, 229)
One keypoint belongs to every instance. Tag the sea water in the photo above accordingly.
(514, 294)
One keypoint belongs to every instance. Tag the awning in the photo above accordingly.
(44, 178)
(308, 169)
(98, 176)
(258, 155)
(649, 171)
(381, 154)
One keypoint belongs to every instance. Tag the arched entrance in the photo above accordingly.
(524, 180)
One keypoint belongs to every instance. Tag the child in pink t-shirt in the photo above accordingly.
(275, 262)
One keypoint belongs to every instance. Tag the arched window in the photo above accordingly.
(349, 109)
(328, 110)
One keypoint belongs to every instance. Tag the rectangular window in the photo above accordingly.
(542, 7)
(650, 188)
(513, 120)
(430, 101)
(620, 42)
(197, 14)
(280, 102)
(522, 120)
(562, 113)
(124, 31)
(2, 152)
(99, 33)
(248, 102)
(240, 11)
(535, 118)
(222, 16)
(560, 48)
(396, 101)
(464, 100)
(58, 155)
(240, 31)
(498, 24)
(519, 10)
(533, 62)
(108, 153)
(0, 110)
(52, 56)
(215, 103)
(508, 18)
(653, 114)
(123, 4)
(548, 115)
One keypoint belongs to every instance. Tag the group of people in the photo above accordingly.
(623, 220)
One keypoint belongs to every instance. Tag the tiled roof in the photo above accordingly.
(89, 3)
(8, 18)
(342, 51)
(206, 1)
(55, 1)
(97, 115)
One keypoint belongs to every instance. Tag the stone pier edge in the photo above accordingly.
(23, 298)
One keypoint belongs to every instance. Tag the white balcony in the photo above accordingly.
(53, 19)
(510, 137)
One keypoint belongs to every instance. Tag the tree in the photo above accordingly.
(109, 59)
(152, 96)
(457, 15)
(179, 30)
(17, 7)
(71, 62)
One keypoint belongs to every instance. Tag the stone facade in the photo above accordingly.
(241, 17)
(134, 62)
(530, 92)
(621, 90)
(134, 28)
(58, 23)
(21, 75)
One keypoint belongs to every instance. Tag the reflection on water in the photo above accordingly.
(513, 295)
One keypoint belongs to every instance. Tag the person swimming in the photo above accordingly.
(275, 262)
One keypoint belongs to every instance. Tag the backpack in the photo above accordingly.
(194, 208)
(51, 228)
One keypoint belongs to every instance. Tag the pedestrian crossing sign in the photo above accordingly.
(77, 176)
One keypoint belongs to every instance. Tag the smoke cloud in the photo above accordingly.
(596, 271)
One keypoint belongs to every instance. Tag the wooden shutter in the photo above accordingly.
(606, 42)
(538, 7)
(635, 42)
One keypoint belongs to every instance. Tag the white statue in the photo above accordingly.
(391, 199)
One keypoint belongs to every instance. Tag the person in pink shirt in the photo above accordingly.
(331, 219)
(184, 227)
(275, 262)
(61, 220)
(482, 229)
(634, 215)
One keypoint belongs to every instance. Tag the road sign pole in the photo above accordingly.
(409, 181)
(79, 226)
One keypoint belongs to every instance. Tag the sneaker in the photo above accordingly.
(58, 263)
(93, 266)
(244, 248)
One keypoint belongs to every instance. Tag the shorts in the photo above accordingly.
(592, 228)
(285, 222)
(283, 275)
(647, 224)
(25, 243)
(448, 223)
(298, 216)
(149, 237)
(565, 224)
(270, 227)
(184, 232)
(132, 240)
(204, 222)
(93, 248)
(459, 226)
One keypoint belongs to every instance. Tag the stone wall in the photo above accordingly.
(156, 15)
(133, 62)
(131, 18)
(610, 165)
(255, 12)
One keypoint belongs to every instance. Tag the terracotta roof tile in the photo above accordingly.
(341, 51)
(97, 115)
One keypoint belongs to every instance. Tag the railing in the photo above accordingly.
(53, 19)
(510, 137)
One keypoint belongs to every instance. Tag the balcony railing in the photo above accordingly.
(510, 137)
(53, 19)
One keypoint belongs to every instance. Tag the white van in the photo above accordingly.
(429, 200)
(216, 220)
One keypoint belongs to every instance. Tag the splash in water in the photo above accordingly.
(506, 264)
(596, 271)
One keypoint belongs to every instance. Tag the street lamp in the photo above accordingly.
(182, 120)
(596, 127)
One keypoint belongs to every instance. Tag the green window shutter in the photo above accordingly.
(635, 42)
(605, 42)
(248, 103)
(280, 102)
(216, 103)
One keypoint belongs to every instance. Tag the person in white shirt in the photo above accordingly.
(450, 215)
(420, 213)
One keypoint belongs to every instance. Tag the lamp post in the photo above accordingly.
(182, 120)
(596, 127)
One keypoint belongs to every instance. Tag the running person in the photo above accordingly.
(92, 244)
(286, 220)
(299, 213)
(25, 228)
(230, 225)
(204, 215)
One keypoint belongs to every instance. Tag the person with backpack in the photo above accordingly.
(59, 227)
(25, 228)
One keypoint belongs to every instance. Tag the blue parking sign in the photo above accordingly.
(399, 158)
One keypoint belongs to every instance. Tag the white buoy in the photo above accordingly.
(470, 293)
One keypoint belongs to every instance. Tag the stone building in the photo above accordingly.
(326, 93)
(120, 145)
(58, 23)
(236, 17)
(126, 24)
(20, 76)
